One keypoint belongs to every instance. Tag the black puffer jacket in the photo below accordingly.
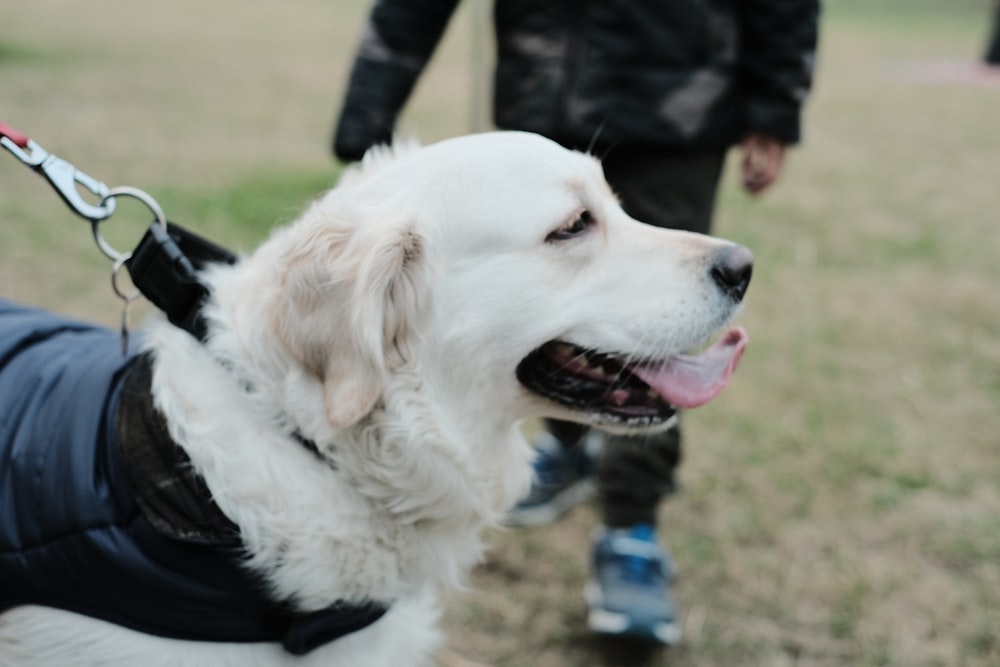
(671, 73)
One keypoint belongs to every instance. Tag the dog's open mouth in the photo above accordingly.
(632, 392)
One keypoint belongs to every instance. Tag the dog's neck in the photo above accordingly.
(482, 464)
(402, 506)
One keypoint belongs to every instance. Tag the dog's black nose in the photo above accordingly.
(732, 270)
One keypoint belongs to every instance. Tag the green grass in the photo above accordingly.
(244, 212)
(12, 53)
(839, 503)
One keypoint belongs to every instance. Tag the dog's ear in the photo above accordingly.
(347, 309)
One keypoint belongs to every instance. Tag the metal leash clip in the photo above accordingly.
(164, 266)
(67, 181)
(65, 178)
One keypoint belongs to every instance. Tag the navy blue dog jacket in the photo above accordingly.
(100, 513)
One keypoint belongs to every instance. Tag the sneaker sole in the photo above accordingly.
(605, 622)
(559, 505)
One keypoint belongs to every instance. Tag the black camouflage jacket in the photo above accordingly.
(674, 73)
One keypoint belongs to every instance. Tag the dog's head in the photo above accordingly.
(501, 271)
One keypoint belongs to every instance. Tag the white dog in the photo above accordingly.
(353, 412)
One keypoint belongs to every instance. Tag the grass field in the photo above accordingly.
(840, 502)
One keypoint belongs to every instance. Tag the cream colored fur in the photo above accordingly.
(385, 324)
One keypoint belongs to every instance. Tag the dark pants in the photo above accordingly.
(666, 189)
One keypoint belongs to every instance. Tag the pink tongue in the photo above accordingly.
(687, 381)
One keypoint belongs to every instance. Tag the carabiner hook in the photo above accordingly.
(125, 191)
(65, 178)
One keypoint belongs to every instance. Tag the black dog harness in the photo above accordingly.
(100, 511)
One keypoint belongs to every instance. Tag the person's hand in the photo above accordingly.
(763, 158)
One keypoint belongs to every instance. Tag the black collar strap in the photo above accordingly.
(165, 266)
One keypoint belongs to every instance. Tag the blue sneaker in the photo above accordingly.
(629, 591)
(563, 480)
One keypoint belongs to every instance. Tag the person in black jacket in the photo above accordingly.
(660, 89)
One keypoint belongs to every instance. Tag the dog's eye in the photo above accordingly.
(577, 226)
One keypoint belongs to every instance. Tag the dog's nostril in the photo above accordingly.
(732, 270)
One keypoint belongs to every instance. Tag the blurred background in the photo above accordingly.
(840, 502)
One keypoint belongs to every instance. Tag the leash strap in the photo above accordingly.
(18, 139)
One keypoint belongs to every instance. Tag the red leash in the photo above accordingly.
(20, 140)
